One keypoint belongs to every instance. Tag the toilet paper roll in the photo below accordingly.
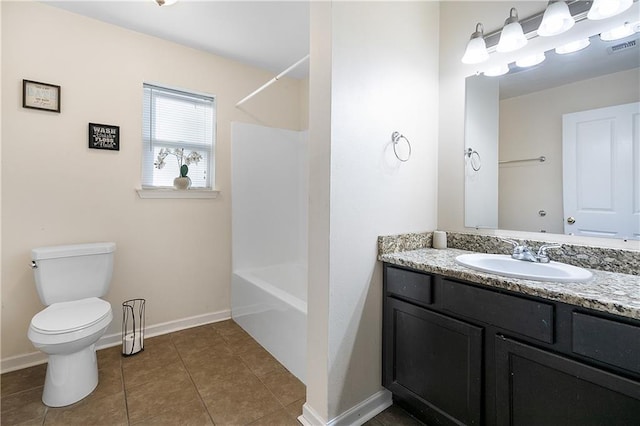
(131, 344)
(439, 239)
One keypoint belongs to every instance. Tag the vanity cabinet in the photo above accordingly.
(444, 379)
(537, 387)
(458, 353)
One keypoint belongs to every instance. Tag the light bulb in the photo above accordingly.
(512, 37)
(531, 60)
(574, 46)
(476, 50)
(556, 19)
(497, 71)
(617, 33)
(602, 9)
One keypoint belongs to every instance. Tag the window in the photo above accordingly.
(177, 120)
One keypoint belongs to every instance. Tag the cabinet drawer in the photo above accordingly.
(523, 316)
(609, 341)
(409, 285)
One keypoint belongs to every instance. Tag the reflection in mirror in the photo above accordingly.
(481, 153)
(597, 191)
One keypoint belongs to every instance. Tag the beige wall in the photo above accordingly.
(304, 104)
(531, 126)
(176, 252)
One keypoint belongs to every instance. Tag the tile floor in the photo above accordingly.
(210, 375)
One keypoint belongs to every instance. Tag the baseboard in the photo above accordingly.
(19, 362)
(364, 411)
(34, 358)
(115, 339)
(356, 415)
(309, 417)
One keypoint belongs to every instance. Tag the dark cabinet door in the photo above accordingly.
(535, 387)
(433, 364)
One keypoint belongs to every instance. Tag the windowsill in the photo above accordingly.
(177, 193)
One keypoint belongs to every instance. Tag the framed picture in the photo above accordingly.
(41, 96)
(104, 136)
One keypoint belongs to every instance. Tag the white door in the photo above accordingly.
(601, 172)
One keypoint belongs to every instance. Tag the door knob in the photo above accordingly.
(571, 220)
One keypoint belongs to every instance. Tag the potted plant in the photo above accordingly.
(182, 181)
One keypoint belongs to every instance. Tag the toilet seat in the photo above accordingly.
(65, 317)
(68, 321)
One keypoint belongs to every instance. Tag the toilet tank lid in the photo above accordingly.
(72, 250)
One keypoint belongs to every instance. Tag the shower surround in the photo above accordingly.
(269, 237)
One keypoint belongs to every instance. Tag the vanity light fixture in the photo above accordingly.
(476, 51)
(497, 71)
(556, 19)
(602, 9)
(516, 32)
(617, 33)
(512, 37)
(574, 46)
(531, 60)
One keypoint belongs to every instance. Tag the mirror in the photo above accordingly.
(514, 136)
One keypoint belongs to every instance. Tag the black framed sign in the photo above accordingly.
(41, 96)
(104, 136)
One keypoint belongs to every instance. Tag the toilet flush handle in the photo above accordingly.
(34, 265)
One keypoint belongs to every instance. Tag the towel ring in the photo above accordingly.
(395, 138)
(476, 161)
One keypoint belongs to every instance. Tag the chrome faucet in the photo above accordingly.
(522, 252)
(542, 252)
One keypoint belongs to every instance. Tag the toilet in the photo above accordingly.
(70, 280)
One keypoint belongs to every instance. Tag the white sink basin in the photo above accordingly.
(503, 264)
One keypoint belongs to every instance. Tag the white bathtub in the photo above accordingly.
(271, 305)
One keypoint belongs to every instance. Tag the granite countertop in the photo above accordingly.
(610, 292)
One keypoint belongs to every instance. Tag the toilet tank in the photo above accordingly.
(72, 272)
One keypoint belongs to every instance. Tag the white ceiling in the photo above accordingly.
(266, 34)
(275, 34)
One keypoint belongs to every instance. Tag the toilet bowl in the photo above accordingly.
(67, 332)
(70, 281)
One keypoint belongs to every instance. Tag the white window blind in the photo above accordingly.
(174, 119)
